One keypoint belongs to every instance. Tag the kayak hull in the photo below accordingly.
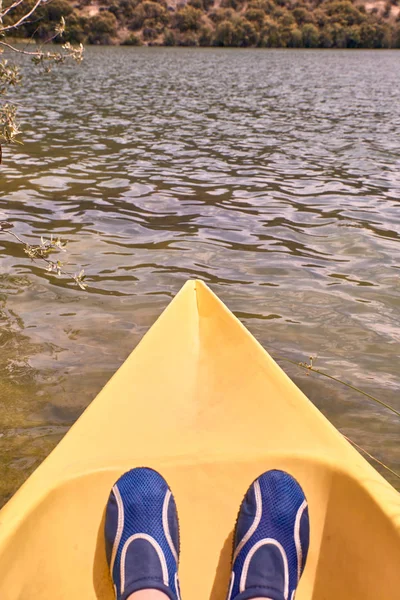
(202, 402)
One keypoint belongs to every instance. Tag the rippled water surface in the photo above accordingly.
(271, 175)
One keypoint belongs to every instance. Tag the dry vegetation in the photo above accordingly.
(241, 23)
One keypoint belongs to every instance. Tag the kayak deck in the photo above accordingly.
(203, 403)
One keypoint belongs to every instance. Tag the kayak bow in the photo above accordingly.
(203, 403)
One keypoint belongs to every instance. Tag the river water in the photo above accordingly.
(272, 175)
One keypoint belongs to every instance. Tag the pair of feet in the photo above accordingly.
(270, 542)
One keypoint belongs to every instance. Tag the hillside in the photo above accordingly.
(240, 23)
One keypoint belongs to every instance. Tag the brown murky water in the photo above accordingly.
(271, 175)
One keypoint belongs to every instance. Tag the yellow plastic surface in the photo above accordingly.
(201, 401)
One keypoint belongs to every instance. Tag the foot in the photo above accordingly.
(142, 535)
(271, 539)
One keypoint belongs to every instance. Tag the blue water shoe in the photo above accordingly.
(271, 539)
(142, 535)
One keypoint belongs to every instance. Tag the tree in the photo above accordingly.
(344, 12)
(225, 34)
(102, 28)
(206, 36)
(270, 35)
(149, 14)
(246, 33)
(302, 15)
(353, 36)
(273, 23)
(295, 38)
(236, 32)
(310, 35)
(255, 16)
(326, 37)
(188, 19)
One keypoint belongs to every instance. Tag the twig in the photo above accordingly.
(20, 51)
(352, 387)
(11, 7)
(310, 367)
(371, 457)
(10, 76)
(39, 253)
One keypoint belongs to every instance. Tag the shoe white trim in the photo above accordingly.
(166, 525)
(178, 591)
(250, 555)
(120, 526)
(256, 522)
(231, 585)
(297, 540)
(157, 548)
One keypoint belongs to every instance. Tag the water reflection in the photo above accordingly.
(271, 175)
(24, 441)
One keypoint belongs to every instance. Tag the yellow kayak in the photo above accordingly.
(202, 402)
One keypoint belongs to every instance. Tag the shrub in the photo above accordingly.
(385, 35)
(310, 35)
(132, 40)
(207, 4)
(295, 38)
(206, 36)
(272, 23)
(221, 14)
(339, 36)
(266, 6)
(302, 15)
(138, 18)
(150, 33)
(225, 34)
(169, 38)
(270, 36)
(387, 10)
(247, 33)
(238, 32)
(320, 17)
(75, 31)
(326, 37)
(102, 28)
(188, 19)
(353, 37)
(188, 38)
(124, 9)
(46, 18)
(372, 35)
(56, 9)
(196, 4)
(255, 15)
(44, 31)
(287, 20)
(235, 4)
(344, 12)
(278, 12)
(396, 38)
(149, 11)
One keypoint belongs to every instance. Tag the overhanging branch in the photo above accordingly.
(22, 19)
